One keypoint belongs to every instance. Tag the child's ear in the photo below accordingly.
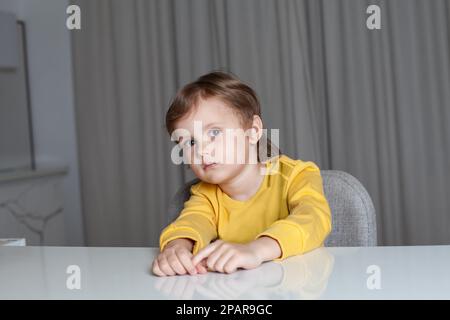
(256, 129)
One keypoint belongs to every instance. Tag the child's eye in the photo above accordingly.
(189, 143)
(214, 132)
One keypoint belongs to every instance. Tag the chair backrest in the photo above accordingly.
(352, 210)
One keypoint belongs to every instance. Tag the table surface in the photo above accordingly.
(416, 272)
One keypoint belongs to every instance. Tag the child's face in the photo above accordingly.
(214, 142)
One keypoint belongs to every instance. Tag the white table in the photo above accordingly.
(419, 272)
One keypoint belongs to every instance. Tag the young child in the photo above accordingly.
(242, 212)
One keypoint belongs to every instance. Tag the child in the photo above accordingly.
(241, 213)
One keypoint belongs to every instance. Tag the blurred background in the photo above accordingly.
(84, 155)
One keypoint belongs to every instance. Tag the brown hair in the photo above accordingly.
(227, 87)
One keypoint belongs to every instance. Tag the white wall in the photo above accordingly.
(51, 86)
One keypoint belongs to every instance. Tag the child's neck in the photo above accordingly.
(246, 184)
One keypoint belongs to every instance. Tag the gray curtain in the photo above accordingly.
(374, 103)
(384, 97)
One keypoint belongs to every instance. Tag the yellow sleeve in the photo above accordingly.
(309, 220)
(197, 221)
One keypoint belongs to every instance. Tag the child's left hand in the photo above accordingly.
(227, 257)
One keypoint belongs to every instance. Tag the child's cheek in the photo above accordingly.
(220, 150)
(227, 149)
(192, 157)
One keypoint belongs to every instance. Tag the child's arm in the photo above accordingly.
(193, 229)
(309, 220)
(197, 221)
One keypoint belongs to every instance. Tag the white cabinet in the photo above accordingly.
(31, 206)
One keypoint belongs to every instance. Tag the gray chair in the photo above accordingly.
(352, 210)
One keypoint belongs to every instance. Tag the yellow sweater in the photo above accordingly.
(289, 207)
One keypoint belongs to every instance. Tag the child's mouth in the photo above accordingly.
(208, 166)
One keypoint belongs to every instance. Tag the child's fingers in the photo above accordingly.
(176, 264)
(165, 266)
(231, 265)
(201, 268)
(186, 261)
(216, 255)
(206, 251)
(219, 263)
(156, 270)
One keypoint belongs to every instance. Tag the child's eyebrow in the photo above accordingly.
(212, 124)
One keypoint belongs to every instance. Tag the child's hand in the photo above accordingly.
(176, 258)
(227, 257)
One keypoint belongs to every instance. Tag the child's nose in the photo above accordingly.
(208, 157)
(207, 148)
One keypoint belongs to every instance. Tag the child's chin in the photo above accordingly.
(213, 179)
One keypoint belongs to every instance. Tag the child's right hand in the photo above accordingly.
(176, 258)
